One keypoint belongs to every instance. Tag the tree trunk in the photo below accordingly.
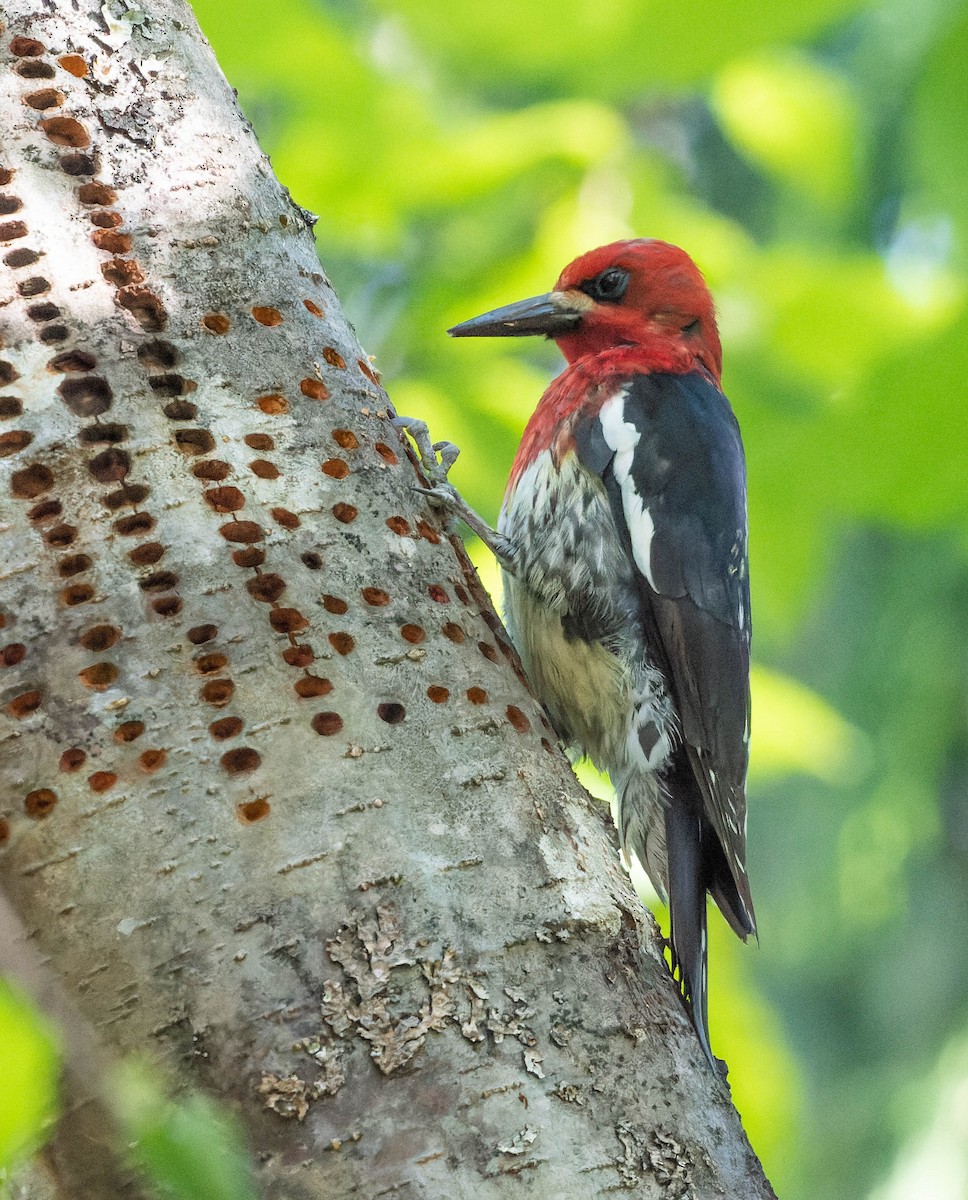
(276, 802)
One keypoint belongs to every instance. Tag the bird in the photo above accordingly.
(623, 545)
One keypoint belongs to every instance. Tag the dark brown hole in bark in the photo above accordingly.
(73, 564)
(285, 518)
(267, 316)
(240, 760)
(311, 685)
(66, 131)
(144, 556)
(13, 441)
(167, 606)
(477, 695)
(152, 760)
(518, 719)
(98, 676)
(110, 434)
(116, 241)
(110, 466)
(209, 664)
(287, 620)
(194, 441)
(251, 556)
(12, 654)
(31, 482)
(253, 811)
(221, 499)
(312, 560)
(327, 723)
(60, 536)
(227, 727)
(34, 70)
(21, 258)
(159, 581)
(259, 441)
(73, 759)
(26, 47)
(129, 731)
(375, 596)
(214, 470)
(264, 469)
(39, 803)
(96, 193)
(342, 643)
(128, 493)
(135, 524)
(44, 99)
(216, 322)
(158, 353)
(218, 692)
(24, 705)
(180, 411)
(266, 588)
(412, 633)
(72, 362)
(242, 531)
(170, 384)
(198, 635)
(100, 637)
(77, 593)
(391, 712)
(315, 389)
(78, 164)
(298, 656)
(87, 397)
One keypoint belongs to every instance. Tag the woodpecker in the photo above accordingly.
(623, 543)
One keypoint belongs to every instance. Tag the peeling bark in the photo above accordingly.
(276, 803)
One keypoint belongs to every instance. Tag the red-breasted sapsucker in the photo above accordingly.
(623, 540)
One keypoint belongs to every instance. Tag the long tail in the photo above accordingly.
(687, 910)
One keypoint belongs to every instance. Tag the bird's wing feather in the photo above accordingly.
(677, 479)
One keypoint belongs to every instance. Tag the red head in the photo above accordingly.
(638, 293)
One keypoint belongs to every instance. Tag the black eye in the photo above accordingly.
(692, 327)
(609, 287)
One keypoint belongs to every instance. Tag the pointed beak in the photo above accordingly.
(550, 315)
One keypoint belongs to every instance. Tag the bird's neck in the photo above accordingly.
(584, 386)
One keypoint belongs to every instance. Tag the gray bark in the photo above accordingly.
(277, 805)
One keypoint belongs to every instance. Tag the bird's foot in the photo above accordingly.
(436, 460)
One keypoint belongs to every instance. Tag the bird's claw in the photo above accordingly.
(436, 458)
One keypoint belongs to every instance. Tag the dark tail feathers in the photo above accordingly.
(687, 910)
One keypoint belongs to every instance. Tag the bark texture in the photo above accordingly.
(276, 803)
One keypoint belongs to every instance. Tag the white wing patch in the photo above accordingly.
(622, 437)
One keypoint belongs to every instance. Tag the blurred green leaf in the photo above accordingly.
(793, 118)
(190, 1150)
(29, 1072)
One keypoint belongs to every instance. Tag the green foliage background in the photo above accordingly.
(814, 160)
